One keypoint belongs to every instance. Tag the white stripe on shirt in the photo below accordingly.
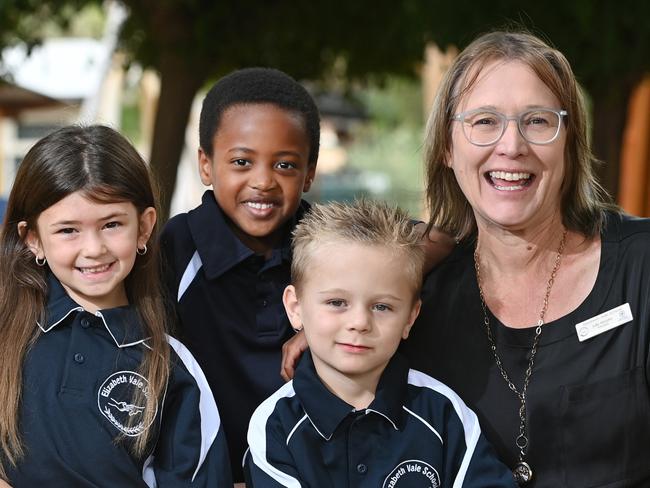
(468, 419)
(189, 274)
(257, 436)
(210, 421)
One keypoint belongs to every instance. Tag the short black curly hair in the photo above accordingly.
(258, 85)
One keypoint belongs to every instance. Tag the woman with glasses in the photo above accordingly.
(539, 318)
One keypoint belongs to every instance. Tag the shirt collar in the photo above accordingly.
(326, 411)
(218, 246)
(122, 323)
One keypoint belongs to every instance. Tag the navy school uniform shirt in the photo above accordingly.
(229, 304)
(416, 433)
(79, 379)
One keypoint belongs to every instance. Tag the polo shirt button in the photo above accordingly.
(362, 468)
(85, 323)
(79, 358)
(264, 303)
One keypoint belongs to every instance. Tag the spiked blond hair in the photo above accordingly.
(361, 222)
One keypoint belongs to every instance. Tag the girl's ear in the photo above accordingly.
(31, 239)
(147, 222)
(292, 307)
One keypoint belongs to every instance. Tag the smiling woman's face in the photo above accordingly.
(512, 184)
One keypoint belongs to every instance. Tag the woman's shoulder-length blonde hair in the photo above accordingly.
(583, 200)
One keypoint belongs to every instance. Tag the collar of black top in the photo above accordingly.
(217, 245)
(326, 411)
(122, 323)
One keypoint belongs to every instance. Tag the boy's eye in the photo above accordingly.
(112, 225)
(286, 165)
(381, 307)
(336, 302)
(241, 162)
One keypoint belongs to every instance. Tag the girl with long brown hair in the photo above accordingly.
(95, 393)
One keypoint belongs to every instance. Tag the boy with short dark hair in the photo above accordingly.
(354, 414)
(228, 260)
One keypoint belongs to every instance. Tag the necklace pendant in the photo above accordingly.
(522, 473)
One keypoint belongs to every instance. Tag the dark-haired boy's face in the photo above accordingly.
(258, 171)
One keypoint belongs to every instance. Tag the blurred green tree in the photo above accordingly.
(191, 42)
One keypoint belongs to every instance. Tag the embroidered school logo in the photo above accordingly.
(115, 402)
(412, 473)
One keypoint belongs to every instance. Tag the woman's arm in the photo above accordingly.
(291, 352)
(437, 246)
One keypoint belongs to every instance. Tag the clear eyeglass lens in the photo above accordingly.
(537, 126)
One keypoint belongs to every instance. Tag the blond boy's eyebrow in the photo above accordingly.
(388, 296)
(333, 290)
(340, 291)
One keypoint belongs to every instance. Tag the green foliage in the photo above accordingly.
(303, 38)
(29, 21)
(604, 41)
(130, 122)
(391, 141)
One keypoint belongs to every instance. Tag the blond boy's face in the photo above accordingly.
(356, 304)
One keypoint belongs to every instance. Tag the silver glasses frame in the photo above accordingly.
(505, 119)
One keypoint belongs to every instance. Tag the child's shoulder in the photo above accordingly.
(179, 225)
(428, 393)
(182, 230)
(282, 410)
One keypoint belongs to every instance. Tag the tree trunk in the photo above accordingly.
(178, 86)
(609, 114)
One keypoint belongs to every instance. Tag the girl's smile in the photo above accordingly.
(91, 247)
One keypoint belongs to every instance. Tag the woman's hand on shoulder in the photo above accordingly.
(291, 352)
(437, 245)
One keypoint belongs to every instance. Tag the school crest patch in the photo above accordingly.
(115, 401)
(412, 473)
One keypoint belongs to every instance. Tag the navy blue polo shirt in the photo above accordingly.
(229, 304)
(416, 433)
(78, 417)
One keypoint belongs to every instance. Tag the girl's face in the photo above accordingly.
(512, 184)
(91, 247)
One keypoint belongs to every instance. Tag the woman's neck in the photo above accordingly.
(511, 252)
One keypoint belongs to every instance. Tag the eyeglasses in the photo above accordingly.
(485, 127)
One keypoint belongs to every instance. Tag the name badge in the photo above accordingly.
(604, 322)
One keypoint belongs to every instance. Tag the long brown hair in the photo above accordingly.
(99, 162)
(583, 200)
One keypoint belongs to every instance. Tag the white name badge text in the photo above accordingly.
(604, 322)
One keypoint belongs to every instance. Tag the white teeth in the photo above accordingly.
(507, 176)
(259, 206)
(95, 269)
(509, 188)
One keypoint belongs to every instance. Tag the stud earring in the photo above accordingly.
(143, 251)
(298, 329)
